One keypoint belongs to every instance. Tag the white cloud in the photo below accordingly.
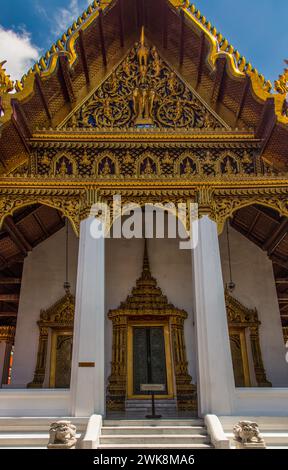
(19, 51)
(64, 17)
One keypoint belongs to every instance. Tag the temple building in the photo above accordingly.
(146, 103)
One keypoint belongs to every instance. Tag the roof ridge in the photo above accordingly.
(239, 66)
(47, 63)
(224, 45)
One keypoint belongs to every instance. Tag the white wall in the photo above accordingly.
(252, 273)
(42, 285)
(169, 265)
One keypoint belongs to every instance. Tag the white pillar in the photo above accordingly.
(87, 377)
(215, 372)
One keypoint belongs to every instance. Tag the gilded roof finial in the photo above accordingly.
(6, 84)
(281, 85)
(142, 37)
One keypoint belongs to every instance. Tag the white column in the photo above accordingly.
(215, 372)
(87, 377)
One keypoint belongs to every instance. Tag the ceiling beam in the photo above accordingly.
(65, 79)
(7, 263)
(42, 96)
(41, 225)
(84, 56)
(102, 38)
(5, 281)
(283, 263)
(17, 236)
(8, 314)
(276, 237)
(254, 222)
(9, 298)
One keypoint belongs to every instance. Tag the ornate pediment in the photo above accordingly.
(147, 298)
(237, 313)
(143, 91)
(61, 313)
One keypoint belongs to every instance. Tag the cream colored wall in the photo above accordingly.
(169, 265)
(42, 285)
(252, 273)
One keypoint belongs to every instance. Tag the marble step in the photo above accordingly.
(129, 439)
(155, 446)
(153, 422)
(154, 430)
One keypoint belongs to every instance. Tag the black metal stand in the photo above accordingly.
(153, 415)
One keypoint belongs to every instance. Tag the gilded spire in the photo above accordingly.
(142, 37)
(146, 273)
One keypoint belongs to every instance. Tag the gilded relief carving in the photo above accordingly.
(143, 91)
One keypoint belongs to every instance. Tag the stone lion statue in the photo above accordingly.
(62, 435)
(247, 432)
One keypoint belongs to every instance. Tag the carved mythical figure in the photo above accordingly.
(63, 168)
(62, 435)
(143, 101)
(106, 168)
(143, 54)
(247, 432)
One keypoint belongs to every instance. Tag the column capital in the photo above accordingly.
(7, 333)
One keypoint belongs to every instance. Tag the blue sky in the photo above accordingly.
(257, 28)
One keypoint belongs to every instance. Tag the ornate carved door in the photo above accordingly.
(149, 359)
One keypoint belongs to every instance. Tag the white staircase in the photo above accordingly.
(23, 433)
(153, 434)
(273, 429)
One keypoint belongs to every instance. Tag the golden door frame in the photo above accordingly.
(53, 355)
(168, 359)
(241, 318)
(57, 318)
(240, 333)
